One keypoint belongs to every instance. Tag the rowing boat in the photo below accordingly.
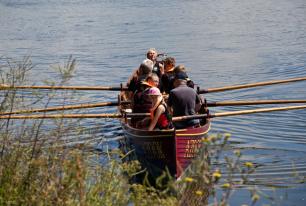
(161, 150)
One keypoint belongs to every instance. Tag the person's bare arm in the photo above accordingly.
(159, 111)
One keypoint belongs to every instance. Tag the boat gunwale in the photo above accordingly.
(169, 132)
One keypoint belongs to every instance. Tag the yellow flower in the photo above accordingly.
(188, 179)
(212, 138)
(227, 135)
(237, 153)
(255, 197)
(226, 185)
(199, 192)
(249, 164)
(217, 174)
(205, 140)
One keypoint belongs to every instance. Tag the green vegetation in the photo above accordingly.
(36, 168)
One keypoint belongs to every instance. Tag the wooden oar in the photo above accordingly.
(68, 107)
(117, 115)
(200, 91)
(3, 87)
(240, 112)
(252, 111)
(115, 103)
(254, 102)
(77, 116)
(243, 86)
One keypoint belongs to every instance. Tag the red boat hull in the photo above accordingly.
(165, 149)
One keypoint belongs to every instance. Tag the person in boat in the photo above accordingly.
(144, 70)
(153, 55)
(141, 103)
(199, 107)
(153, 80)
(167, 74)
(160, 117)
(181, 68)
(183, 101)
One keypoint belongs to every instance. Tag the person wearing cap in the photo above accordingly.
(160, 117)
(183, 100)
(167, 74)
(181, 68)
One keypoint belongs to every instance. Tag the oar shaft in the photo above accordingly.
(182, 118)
(243, 86)
(68, 107)
(76, 116)
(58, 116)
(253, 102)
(241, 112)
(115, 103)
(3, 87)
(252, 111)
(116, 115)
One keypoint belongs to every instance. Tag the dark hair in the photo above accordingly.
(169, 60)
(179, 68)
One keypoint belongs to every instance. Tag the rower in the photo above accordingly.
(141, 102)
(160, 117)
(183, 100)
(153, 80)
(181, 68)
(167, 74)
(144, 70)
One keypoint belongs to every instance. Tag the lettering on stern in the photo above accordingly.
(192, 148)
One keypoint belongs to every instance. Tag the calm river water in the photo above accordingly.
(222, 42)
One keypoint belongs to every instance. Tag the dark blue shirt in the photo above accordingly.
(183, 100)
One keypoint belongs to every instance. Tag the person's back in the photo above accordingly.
(183, 100)
(141, 102)
(159, 118)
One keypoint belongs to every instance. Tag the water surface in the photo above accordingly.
(221, 42)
